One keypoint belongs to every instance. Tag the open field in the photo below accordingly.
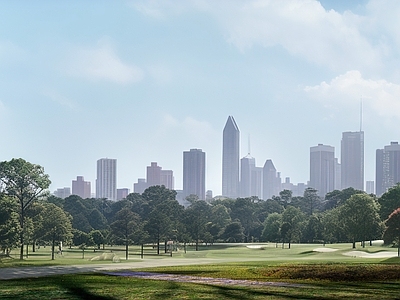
(324, 273)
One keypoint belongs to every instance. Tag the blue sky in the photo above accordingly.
(143, 81)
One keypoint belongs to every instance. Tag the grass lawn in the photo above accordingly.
(324, 275)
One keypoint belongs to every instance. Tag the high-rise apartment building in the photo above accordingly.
(153, 175)
(106, 182)
(387, 167)
(63, 192)
(230, 159)
(194, 173)
(352, 160)
(81, 188)
(322, 169)
(271, 180)
(157, 176)
(122, 193)
(140, 186)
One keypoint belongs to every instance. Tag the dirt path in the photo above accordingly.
(34, 272)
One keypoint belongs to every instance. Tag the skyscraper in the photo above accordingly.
(81, 187)
(106, 182)
(247, 165)
(157, 176)
(322, 169)
(194, 173)
(230, 159)
(271, 181)
(352, 160)
(387, 167)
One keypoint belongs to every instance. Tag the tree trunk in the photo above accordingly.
(52, 248)
(126, 249)
(27, 250)
(21, 235)
(354, 244)
(165, 246)
(34, 246)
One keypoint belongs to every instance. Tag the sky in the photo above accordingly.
(143, 81)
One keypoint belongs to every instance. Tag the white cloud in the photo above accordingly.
(302, 27)
(101, 63)
(380, 95)
(61, 100)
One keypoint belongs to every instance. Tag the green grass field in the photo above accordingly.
(323, 275)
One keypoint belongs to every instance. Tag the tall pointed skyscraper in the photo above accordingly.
(230, 159)
(352, 162)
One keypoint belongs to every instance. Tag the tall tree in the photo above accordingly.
(392, 232)
(272, 224)
(9, 224)
(56, 226)
(25, 182)
(125, 226)
(290, 228)
(360, 217)
(389, 201)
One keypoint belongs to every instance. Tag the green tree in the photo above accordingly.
(9, 224)
(312, 200)
(360, 217)
(272, 225)
(332, 226)
(313, 230)
(97, 237)
(125, 227)
(389, 201)
(290, 228)
(392, 232)
(25, 182)
(56, 226)
(233, 233)
(197, 217)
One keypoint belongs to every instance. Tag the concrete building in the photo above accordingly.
(81, 188)
(140, 186)
(63, 192)
(194, 173)
(271, 181)
(387, 167)
(322, 169)
(352, 160)
(106, 182)
(122, 193)
(230, 159)
(247, 165)
(370, 187)
(157, 176)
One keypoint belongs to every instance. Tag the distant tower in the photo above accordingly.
(81, 188)
(153, 176)
(230, 159)
(157, 176)
(352, 160)
(194, 173)
(106, 182)
(387, 167)
(247, 165)
(270, 180)
(322, 169)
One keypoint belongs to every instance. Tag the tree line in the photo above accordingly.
(30, 216)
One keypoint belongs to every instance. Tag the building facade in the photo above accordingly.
(352, 160)
(271, 180)
(81, 188)
(322, 169)
(194, 173)
(387, 167)
(106, 182)
(230, 159)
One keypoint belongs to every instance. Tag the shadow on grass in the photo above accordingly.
(76, 289)
(172, 290)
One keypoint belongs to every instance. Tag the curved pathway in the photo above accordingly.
(34, 272)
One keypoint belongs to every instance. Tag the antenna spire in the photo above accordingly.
(361, 112)
(249, 144)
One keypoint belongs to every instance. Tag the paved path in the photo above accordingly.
(33, 272)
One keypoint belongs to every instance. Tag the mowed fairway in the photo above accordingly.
(309, 274)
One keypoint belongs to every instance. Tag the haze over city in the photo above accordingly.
(143, 81)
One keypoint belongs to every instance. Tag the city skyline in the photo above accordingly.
(75, 87)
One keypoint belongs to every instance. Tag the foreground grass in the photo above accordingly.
(105, 287)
